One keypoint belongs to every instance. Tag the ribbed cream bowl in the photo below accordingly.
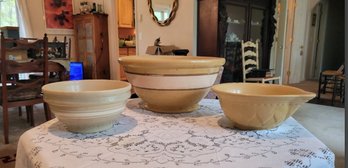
(87, 106)
(259, 106)
(171, 84)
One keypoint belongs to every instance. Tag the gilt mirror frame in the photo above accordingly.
(171, 15)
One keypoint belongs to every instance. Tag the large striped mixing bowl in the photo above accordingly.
(171, 84)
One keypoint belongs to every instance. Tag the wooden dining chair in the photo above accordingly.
(17, 92)
(250, 62)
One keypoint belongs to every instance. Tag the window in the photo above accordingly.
(8, 14)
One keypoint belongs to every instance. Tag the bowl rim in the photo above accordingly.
(161, 61)
(125, 87)
(300, 92)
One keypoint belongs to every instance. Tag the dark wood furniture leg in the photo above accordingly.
(334, 90)
(47, 112)
(319, 87)
(19, 111)
(5, 123)
(30, 112)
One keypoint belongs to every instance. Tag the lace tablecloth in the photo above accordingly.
(150, 140)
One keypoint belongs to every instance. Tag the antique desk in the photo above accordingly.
(199, 139)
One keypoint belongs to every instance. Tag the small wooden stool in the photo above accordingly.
(330, 79)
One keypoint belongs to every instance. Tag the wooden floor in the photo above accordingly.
(325, 99)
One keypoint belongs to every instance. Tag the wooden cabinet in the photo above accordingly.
(125, 13)
(92, 45)
(235, 20)
(126, 51)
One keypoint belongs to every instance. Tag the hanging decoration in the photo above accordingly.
(58, 14)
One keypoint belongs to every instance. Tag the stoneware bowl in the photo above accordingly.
(87, 106)
(129, 43)
(259, 106)
(171, 84)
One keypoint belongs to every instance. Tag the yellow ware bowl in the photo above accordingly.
(87, 106)
(259, 106)
(171, 84)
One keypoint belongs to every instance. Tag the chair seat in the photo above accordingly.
(15, 94)
(264, 79)
(331, 73)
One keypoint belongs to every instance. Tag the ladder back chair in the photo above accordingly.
(15, 91)
(250, 61)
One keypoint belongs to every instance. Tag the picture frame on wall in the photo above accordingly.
(58, 16)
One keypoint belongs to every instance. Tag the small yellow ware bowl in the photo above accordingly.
(87, 106)
(259, 106)
(171, 84)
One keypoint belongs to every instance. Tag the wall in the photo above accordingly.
(181, 32)
(36, 13)
(300, 66)
(334, 36)
(330, 51)
(313, 30)
(124, 33)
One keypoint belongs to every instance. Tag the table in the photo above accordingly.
(164, 50)
(145, 139)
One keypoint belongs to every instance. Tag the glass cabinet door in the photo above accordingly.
(236, 21)
(256, 24)
(256, 29)
(246, 20)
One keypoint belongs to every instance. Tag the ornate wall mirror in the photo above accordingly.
(163, 11)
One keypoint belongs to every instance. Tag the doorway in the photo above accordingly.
(324, 40)
(314, 56)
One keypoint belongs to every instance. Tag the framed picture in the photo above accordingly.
(58, 16)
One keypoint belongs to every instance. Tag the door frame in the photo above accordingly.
(290, 10)
(296, 69)
(278, 51)
(317, 51)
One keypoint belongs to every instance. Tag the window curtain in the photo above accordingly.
(24, 23)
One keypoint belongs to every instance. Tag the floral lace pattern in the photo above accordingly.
(202, 138)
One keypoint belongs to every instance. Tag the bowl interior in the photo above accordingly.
(256, 89)
(86, 86)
